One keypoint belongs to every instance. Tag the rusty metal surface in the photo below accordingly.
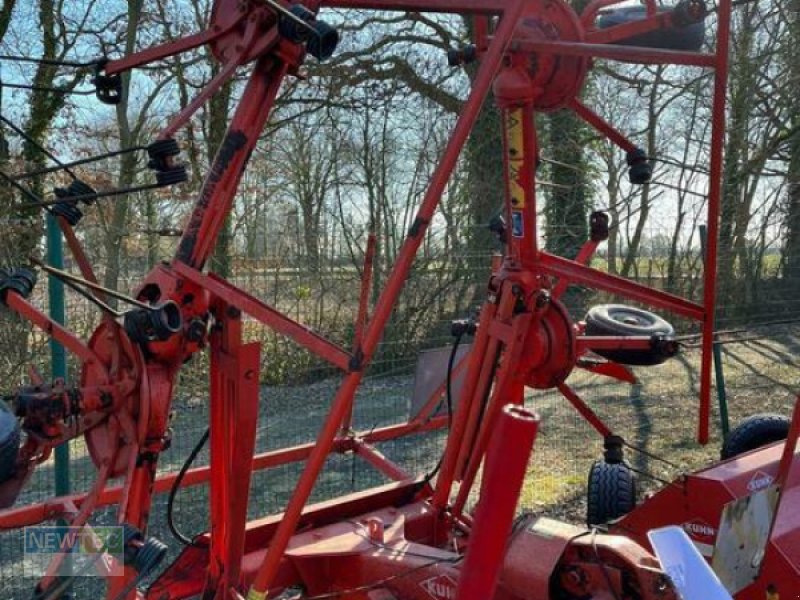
(743, 535)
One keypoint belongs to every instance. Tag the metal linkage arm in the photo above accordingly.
(440, 6)
(269, 316)
(579, 274)
(634, 54)
(162, 51)
(62, 335)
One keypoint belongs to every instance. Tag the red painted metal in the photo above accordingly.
(344, 396)
(695, 502)
(150, 55)
(269, 316)
(366, 289)
(600, 124)
(509, 388)
(380, 462)
(562, 267)
(363, 551)
(482, 371)
(535, 60)
(586, 412)
(218, 191)
(235, 392)
(611, 342)
(714, 203)
(491, 7)
(55, 508)
(584, 257)
(363, 310)
(56, 331)
(609, 369)
(506, 465)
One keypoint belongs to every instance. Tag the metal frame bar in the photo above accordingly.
(269, 316)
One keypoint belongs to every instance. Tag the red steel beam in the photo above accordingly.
(576, 273)
(80, 257)
(614, 342)
(267, 315)
(584, 410)
(426, 6)
(380, 462)
(714, 201)
(392, 432)
(162, 51)
(584, 257)
(506, 465)
(385, 304)
(601, 125)
(36, 513)
(222, 181)
(59, 333)
(363, 310)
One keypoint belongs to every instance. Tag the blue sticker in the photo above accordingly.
(517, 224)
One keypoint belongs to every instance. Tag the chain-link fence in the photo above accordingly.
(658, 414)
(335, 165)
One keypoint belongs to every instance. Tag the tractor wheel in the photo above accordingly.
(611, 492)
(621, 320)
(9, 442)
(754, 432)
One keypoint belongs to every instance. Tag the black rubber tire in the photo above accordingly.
(622, 320)
(611, 492)
(754, 432)
(9, 442)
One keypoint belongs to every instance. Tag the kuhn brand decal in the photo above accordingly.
(760, 481)
(441, 587)
(698, 528)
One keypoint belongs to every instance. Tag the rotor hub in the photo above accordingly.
(125, 366)
(552, 81)
(550, 347)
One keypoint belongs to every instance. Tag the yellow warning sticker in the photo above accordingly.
(515, 155)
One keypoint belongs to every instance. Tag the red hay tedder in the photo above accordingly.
(413, 538)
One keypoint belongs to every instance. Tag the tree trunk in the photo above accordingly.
(566, 211)
(792, 221)
(217, 126)
(742, 81)
(115, 236)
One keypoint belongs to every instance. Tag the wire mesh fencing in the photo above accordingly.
(657, 414)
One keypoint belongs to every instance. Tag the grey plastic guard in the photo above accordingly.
(687, 569)
(431, 373)
(743, 535)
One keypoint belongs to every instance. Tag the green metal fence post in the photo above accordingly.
(58, 358)
(722, 396)
(719, 373)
